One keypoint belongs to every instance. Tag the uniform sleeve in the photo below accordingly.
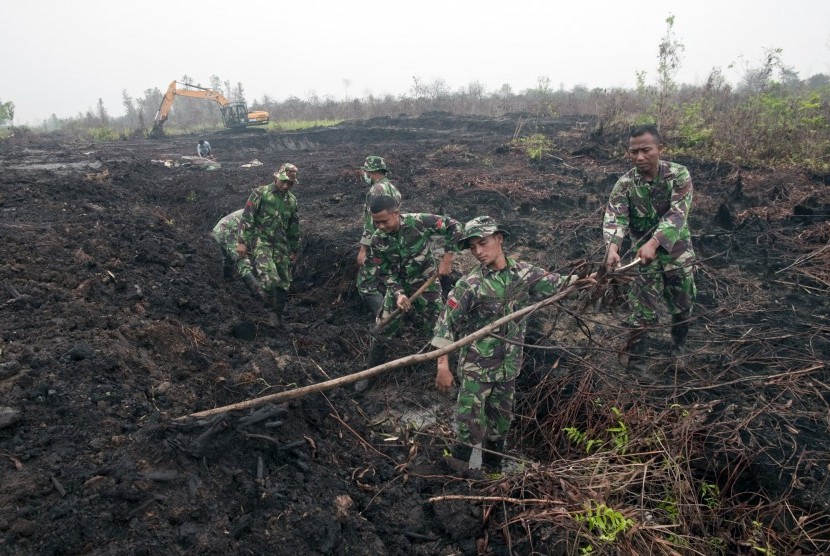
(247, 222)
(674, 220)
(458, 303)
(615, 223)
(448, 228)
(542, 284)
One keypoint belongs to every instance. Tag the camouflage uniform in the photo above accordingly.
(404, 262)
(487, 368)
(270, 225)
(225, 233)
(660, 210)
(367, 275)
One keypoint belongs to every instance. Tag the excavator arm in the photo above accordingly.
(234, 114)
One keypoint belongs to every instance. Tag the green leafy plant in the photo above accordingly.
(620, 433)
(710, 494)
(579, 438)
(606, 522)
(536, 146)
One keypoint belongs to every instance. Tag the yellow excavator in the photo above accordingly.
(234, 114)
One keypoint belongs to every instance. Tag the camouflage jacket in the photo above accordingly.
(270, 217)
(380, 187)
(659, 209)
(227, 229)
(486, 295)
(404, 257)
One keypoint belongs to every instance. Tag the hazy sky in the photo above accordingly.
(60, 56)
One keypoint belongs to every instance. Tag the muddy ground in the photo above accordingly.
(115, 320)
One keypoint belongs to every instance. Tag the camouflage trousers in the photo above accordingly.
(425, 309)
(271, 266)
(663, 277)
(484, 410)
(226, 238)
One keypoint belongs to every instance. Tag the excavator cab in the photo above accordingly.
(235, 114)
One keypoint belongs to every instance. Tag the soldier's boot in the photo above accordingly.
(679, 332)
(377, 355)
(374, 302)
(633, 354)
(255, 287)
(227, 268)
(279, 297)
(491, 462)
(459, 458)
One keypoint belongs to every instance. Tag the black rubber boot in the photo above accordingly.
(679, 332)
(459, 460)
(255, 287)
(377, 355)
(279, 297)
(227, 268)
(633, 354)
(373, 302)
(489, 461)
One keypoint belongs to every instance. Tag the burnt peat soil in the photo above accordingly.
(115, 321)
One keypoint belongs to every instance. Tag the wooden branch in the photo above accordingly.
(394, 314)
(397, 363)
(496, 499)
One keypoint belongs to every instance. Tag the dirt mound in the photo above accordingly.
(115, 321)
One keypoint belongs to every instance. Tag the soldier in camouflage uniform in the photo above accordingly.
(374, 174)
(487, 368)
(270, 224)
(651, 203)
(225, 233)
(400, 249)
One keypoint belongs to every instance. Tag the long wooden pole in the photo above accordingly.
(402, 362)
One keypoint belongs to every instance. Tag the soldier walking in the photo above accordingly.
(270, 224)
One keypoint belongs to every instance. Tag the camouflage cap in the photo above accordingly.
(282, 172)
(481, 226)
(373, 164)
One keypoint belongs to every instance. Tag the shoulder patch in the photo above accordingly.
(452, 303)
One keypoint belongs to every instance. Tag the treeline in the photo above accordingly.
(772, 117)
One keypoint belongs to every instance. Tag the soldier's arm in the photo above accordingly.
(458, 303)
(368, 224)
(616, 219)
(247, 222)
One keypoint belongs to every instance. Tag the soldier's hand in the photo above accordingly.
(403, 303)
(241, 248)
(361, 257)
(612, 259)
(292, 257)
(443, 378)
(648, 252)
(446, 265)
